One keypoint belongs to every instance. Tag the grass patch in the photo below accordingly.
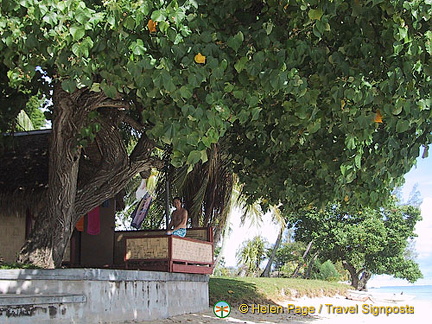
(269, 290)
(15, 265)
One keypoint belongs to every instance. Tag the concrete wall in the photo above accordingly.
(98, 295)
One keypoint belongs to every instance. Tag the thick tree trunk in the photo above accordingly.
(47, 242)
(359, 278)
(68, 198)
(364, 278)
(39, 247)
(266, 272)
(353, 273)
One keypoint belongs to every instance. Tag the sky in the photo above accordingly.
(421, 174)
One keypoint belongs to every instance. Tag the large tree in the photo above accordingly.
(317, 99)
(367, 241)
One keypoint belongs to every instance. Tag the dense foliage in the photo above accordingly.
(317, 100)
(297, 83)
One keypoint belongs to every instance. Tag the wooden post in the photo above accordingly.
(167, 200)
(166, 159)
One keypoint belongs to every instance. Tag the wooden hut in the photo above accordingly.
(23, 189)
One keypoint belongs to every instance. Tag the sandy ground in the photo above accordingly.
(331, 307)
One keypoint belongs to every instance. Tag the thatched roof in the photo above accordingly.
(24, 162)
(24, 170)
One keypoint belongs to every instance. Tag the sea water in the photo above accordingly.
(420, 292)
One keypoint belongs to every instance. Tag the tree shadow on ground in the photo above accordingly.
(235, 292)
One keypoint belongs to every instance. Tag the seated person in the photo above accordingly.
(179, 217)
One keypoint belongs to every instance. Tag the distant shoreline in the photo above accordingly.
(421, 292)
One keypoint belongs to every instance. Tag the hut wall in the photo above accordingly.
(84, 250)
(12, 237)
(97, 250)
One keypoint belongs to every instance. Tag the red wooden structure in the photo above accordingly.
(149, 250)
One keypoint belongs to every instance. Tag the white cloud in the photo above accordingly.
(424, 231)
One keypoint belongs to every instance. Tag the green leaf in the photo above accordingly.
(207, 141)
(228, 87)
(302, 112)
(397, 109)
(170, 132)
(163, 26)
(204, 157)
(86, 46)
(158, 15)
(428, 42)
(129, 22)
(255, 113)
(402, 33)
(315, 14)
(77, 32)
(185, 92)
(172, 34)
(343, 169)
(137, 47)
(243, 116)
(193, 157)
(69, 85)
(350, 142)
(357, 161)
(235, 41)
(167, 81)
(76, 49)
(109, 90)
(95, 87)
(402, 125)
(239, 66)
(314, 126)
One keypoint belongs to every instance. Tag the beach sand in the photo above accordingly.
(330, 306)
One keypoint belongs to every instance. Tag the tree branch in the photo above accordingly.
(112, 103)
(103, 177)
(133, 123)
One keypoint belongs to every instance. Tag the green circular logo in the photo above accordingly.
(221, 309)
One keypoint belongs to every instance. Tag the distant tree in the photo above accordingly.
(325, 271)
(369, 241)
(289, 256)
(33, 109)
(250, 255)
(220, 267)
(29, 118)
(415, 199)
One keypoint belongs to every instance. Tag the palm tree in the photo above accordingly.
(278, 217)
(251, 254)
(206, 189)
